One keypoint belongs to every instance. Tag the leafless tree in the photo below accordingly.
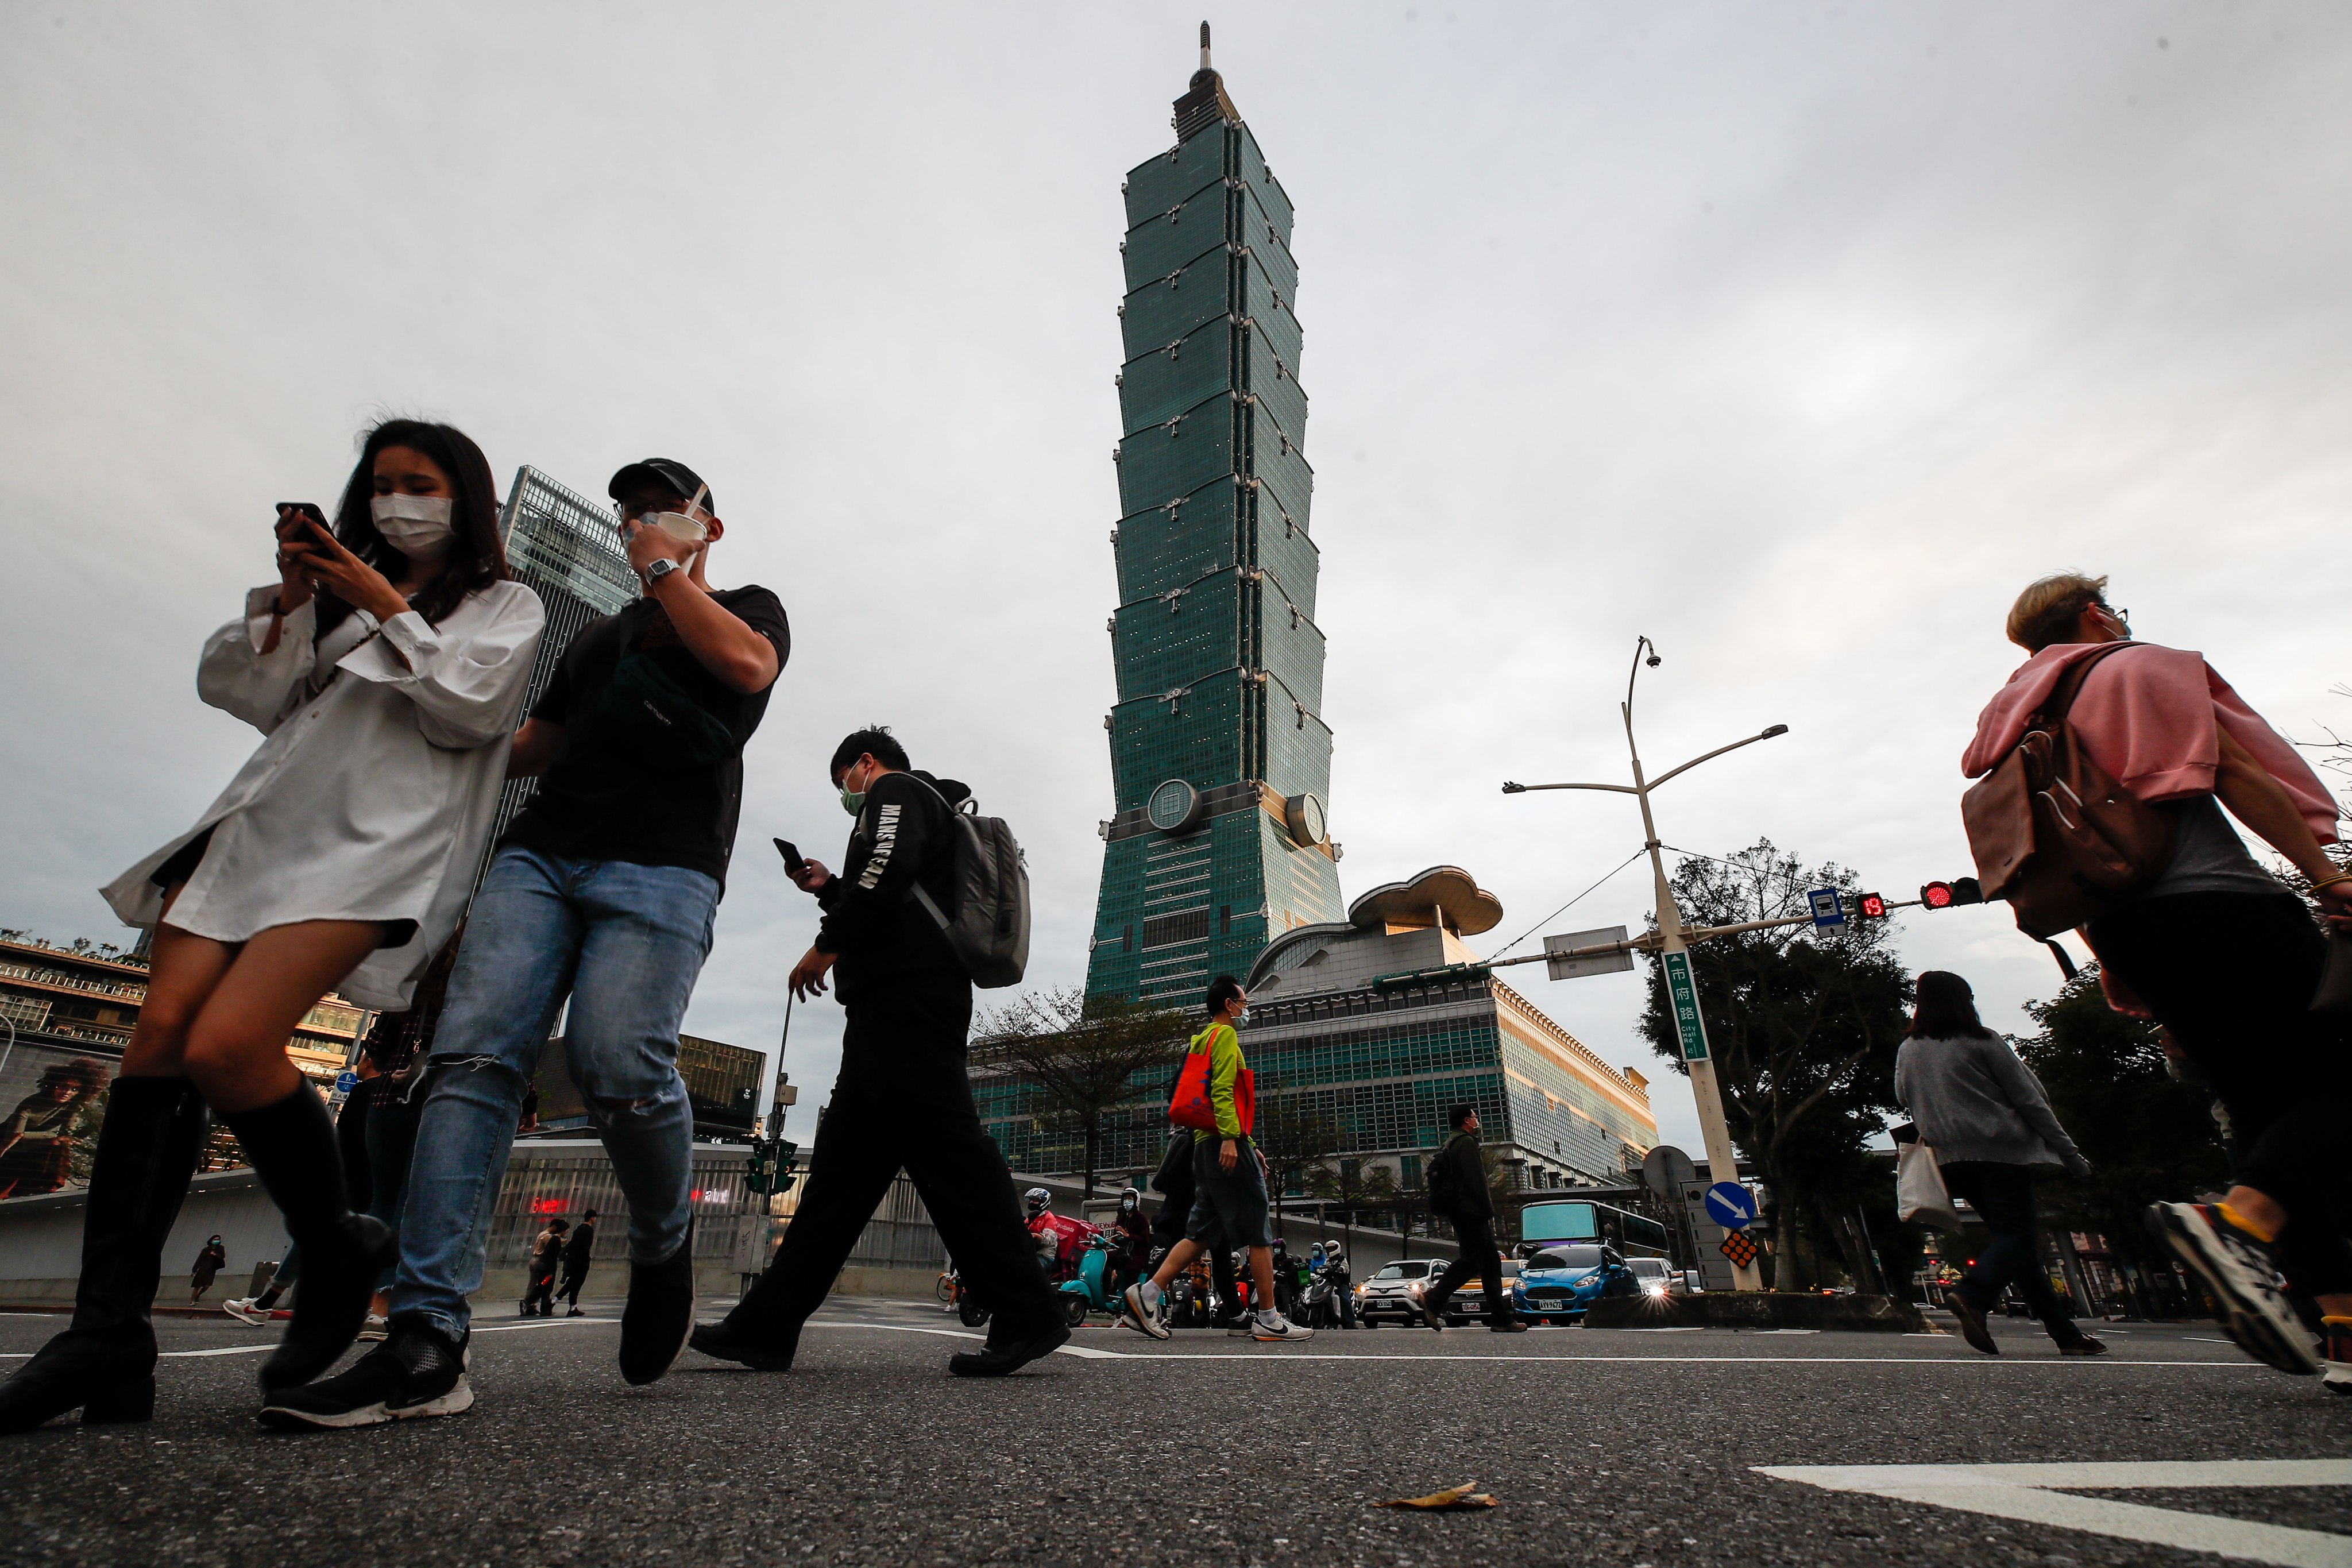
(1082, 1053)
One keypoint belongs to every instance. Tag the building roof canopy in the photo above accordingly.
(1446, 893)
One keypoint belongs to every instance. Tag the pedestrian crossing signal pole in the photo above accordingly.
(1673, 954)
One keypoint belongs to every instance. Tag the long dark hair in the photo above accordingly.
(1943, 1008)
(475, 559)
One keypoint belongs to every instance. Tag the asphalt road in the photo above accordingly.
(1608, 1448)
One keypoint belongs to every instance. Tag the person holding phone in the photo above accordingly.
(602, 896)
(385, 667)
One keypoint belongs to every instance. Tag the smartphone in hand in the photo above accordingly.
(307, 511)
(793, 864)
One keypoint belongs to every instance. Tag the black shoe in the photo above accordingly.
(725, 1342)
(104, 1364)
(659, 1315)
(575, 1313)
(418, 1372)
(999, 1360)
(1429, 1315)
(1972, 1323)
(291, 1143)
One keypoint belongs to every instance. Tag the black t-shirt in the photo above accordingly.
(611, 795)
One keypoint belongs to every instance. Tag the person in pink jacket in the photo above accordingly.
(2221, 952)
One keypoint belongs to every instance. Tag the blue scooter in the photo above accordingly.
(1089, 1290)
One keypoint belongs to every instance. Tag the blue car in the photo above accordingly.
(1562, 1280)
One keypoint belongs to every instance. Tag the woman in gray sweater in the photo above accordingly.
(1984, 1114)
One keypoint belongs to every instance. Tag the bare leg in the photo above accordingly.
(1180, 1258)
(1261, 1272)
(235, 1049)
(182, 970)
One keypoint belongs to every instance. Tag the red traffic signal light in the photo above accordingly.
(1945, 895)
(1873, 906)
(1937, 896)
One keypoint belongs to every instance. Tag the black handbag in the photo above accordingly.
(2334, 997)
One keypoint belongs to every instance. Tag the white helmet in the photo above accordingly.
(1039, 1201)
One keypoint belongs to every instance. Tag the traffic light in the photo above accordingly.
(756, 1169)
(1951, 895)
(780, 1175)
(1873, 906)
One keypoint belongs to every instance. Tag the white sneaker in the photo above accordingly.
(1273, 1327)
(243, 1310)
(1143, 1319)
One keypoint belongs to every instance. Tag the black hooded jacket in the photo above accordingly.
(872, 920)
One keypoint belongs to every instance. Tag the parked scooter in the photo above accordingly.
(1088, 1289)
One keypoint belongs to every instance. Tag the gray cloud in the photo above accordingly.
(1796, 337)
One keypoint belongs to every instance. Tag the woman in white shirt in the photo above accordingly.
(386, 666)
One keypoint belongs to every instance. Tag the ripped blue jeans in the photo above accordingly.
(625, 944)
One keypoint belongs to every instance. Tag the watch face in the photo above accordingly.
(1171, 806)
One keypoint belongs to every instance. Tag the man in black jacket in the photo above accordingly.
(903, 1098)
(578, 1253)
(1460, 1194)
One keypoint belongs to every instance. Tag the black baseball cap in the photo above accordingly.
(658, 473)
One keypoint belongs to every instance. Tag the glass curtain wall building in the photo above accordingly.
(1221, 762)
(567, 550)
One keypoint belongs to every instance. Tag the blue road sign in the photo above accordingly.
(346, 1081)
(1829, 910)
(1730, 1206)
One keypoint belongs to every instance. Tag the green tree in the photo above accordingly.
(1353, 1187)
(2148, 1136)
(1081, 1053)
(1293, 1132)
(1804, 1028)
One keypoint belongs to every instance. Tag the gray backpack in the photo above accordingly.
(990, 932)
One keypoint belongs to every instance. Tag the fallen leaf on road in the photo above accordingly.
(1450, 1498)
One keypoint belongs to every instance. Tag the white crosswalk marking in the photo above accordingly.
(2030, 1493)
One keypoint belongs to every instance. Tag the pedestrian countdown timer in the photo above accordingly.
(1730, 1206)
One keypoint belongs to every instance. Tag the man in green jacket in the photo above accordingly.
(1457, 1188)
(1229, 1204)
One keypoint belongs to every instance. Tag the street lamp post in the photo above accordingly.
(1682, 987)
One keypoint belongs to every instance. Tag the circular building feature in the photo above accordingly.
(1174, 806)
(1304, 815)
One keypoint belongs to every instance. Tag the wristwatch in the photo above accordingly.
(662, 567)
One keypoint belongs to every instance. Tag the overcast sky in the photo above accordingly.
(1797, 337)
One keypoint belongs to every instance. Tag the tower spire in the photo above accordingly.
(1204, 45)
(1204, 102)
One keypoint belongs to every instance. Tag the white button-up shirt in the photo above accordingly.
(373, 796)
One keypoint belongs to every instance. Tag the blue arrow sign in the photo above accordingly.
(1730, 1206)
(1829, 910)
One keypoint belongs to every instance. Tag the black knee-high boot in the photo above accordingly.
(104, 1364)
(292, 1146)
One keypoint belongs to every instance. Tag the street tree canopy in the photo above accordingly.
(1082, 1053)
(1804, 1028)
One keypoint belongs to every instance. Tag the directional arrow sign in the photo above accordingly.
(1682, 991)
(1730, 1206)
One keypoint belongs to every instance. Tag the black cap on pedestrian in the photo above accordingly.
(657, 473)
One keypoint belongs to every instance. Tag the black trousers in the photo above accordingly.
(2230, 977)
(903, 1101)
(2002, 1197)
(1479, 1256)
(572, 1287)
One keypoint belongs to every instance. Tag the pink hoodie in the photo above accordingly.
(2147, 716)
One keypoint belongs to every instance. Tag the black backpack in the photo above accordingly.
(1444, 1180)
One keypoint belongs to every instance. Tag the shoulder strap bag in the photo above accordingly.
(2054, 833)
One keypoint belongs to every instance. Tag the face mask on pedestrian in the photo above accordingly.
(416, 526)
(1241, 1018)
(853, 801)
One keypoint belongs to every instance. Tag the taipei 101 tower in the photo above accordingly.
(1219, 758)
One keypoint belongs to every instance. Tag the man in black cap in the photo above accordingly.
(602, 894)
(578, 1253)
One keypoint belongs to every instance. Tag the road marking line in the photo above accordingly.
(1082, 1351)
(2022, 1492)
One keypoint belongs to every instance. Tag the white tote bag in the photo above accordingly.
(1919, 1190)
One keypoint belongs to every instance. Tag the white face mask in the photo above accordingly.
(416, 526)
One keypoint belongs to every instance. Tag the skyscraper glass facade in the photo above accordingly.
(567, 550)
(1219, 758)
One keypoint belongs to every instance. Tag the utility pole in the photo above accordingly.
(1673, 952)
